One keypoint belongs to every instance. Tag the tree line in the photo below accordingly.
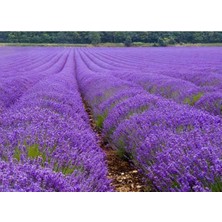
(157, 38)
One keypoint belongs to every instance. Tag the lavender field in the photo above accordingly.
(158, 107)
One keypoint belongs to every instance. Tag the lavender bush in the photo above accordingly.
(48, 129)
(177, 147)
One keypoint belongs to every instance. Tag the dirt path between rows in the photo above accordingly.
(124, 176)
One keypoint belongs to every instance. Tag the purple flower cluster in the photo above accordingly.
(211, 102)
(31, 178)
(18, 76)
(183, 75)
(177, 147)
(46, 141)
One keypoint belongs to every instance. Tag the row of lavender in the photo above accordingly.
(191, 76)
(176, 147)
(20, 72)
(46, 142)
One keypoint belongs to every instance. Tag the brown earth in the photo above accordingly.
(123, 174)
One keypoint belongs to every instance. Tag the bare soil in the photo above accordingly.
(123, 174)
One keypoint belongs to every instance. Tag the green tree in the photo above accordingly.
(119, 37)
(95, 38)
(198, 37)
(163, 41)
(12, 37)
(76, 37)
(107, 36)
(128, 41)
(60, 37)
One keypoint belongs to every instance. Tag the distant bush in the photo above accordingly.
(111, 44)
(138, 43)
(141, 44)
